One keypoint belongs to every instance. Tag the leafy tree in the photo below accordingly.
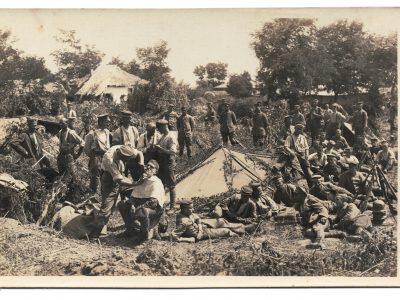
(215, 73)
(153, 62)
(74, 59)
(240, 85)
(132, 67)
(289, 63)
(347, 47)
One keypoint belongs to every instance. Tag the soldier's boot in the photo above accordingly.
(336, 234)
(172, 198)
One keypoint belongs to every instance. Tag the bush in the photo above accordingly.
(240, 85)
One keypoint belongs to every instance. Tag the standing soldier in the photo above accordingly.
(315, 119)
(260, 126)
(166, 151)
(335, 122)
(185, 126)
(126, 134)
(172, 117)
(29, 145)
(71, 113)
(228, 122)
(298, 143)
(147, 141)
(360, 121)
(211, 115)
(297, 116)
(69, 141)
(97, 142)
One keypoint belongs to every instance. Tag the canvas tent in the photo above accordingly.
(110, 80)
(223, 170)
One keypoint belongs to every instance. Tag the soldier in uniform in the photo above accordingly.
(315, 119)
(297, 116)
(264, 203)
(360, 121)
(69, 141)
(211, 115)
(228, 123)
(166, 157)
(147, 141)
(260, 126)
(97, 142)
(185, 126)
(335, 122)
(172, 117)
(29, 145)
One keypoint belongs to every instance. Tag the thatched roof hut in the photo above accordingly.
(110, 80)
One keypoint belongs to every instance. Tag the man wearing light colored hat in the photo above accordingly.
(113, 179)
(353, 180)
(29, 145)
(321, 189)
(97, 143)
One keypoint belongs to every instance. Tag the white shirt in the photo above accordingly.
(150, 188)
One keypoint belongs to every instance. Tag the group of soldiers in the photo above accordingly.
(315, 182)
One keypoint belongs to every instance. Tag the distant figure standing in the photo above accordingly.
(71, 113)
(334, 122)
(260, 126)
(147, 141)
(297, 116)
(172, 117)
(185, 126)
(211, 115)
(315, 119)
(360, 121)
(228, 123)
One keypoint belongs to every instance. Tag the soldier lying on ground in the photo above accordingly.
(265, 205)
(189, 226)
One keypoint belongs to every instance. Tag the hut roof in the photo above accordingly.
(106, 76)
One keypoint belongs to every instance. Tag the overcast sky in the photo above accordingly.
(195, 37)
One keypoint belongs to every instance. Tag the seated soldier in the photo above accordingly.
(265, 204)
(331, 170)
(353, 180)
(350, 219)
(340, 140)
(145, 206)
(190, 229)
(385, 158)
(347, 156)
(375, 148)
(238, 208)
(321, 189)
(317, 160)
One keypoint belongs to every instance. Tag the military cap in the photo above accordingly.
(185, 203)
(127, 151)
(171, 105)
(151, 125)
(316, 177)
(360, 102)
(384, 142)
(296, 106)
(32, 120)
(314, 100)
(348, 149)
(331, 155)
(353, 161)
(102, 117)
(332, 142)
(374, 139)
(162, 122)
(246, 190)
(255, 184)
(126, 113)
(71, 117)
(299, 125)
(63, 120)
(335, 105)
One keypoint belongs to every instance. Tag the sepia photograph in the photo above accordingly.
(199, 147)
